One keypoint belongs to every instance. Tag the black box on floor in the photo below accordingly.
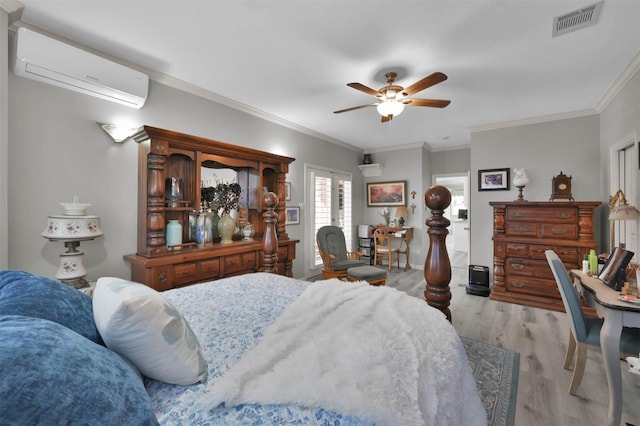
(478, 281)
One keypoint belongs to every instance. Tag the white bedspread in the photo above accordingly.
(372, 352)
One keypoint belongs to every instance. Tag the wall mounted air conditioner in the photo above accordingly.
(48, 60)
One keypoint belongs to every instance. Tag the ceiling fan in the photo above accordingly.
(393, 98)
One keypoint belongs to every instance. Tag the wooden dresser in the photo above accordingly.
(164, 153)
(522, 232)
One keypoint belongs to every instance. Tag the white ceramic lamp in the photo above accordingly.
(520, 180)
(70, 228)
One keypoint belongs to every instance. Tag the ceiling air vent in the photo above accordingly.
(572, 21)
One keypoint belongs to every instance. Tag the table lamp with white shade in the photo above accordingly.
(71, 228)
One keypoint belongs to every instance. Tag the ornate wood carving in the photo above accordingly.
(437, 266)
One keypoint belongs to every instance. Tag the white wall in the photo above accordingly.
(571, 146)
(56, 150)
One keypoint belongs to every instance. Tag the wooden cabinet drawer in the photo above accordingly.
(566, 254)
(238, 262)
(528, 267)
(522, 229)
(210, 268)
(559, 231)
(284, 251)
(517, 250)
(545, 215)
(533, 285)
(184, 273)
(159, 278)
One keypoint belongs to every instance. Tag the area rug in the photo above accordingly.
(496, 372)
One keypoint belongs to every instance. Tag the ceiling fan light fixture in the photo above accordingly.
(390, 107)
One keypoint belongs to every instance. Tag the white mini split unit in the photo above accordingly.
(48, 60)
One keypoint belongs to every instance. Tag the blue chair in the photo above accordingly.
(584, 331)
(334, 254)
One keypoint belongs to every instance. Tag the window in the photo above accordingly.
(330, 203)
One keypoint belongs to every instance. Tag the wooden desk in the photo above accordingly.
(616, 314)
(406, 237)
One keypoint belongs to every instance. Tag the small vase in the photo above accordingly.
(247, 231)
(174, 233)
(227, 227)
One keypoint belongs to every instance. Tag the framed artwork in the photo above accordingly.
(493, 180)
(387, 194)
(292, 215)
(287, 191)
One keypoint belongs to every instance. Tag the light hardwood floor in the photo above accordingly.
(540, 336)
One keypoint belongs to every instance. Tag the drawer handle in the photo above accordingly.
(517, 284)
(563, 215)
(517, 266)
(163, 277)
(186, 272)
(559, 231)
(522, 229)
(518, 214)
(499, 249)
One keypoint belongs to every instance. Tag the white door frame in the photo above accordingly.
(309, 231)
(631, 193)
(465, 177)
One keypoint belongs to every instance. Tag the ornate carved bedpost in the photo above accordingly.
(270, 238)
(437, 266)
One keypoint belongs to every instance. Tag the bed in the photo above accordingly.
(259, 349)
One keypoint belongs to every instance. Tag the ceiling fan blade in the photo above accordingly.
(435, 103)
(386, 118)
(435, 78)
(363, 88)
(356, 107)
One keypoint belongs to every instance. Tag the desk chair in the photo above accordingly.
(383, 248)
(333, 251)
(584, 331)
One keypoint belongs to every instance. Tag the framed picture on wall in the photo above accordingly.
(292, 215)
(387, 194)
(493, 180)
(287, 191)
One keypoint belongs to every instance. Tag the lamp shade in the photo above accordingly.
(390, 107)
(520, 177)
(402, 212)
(624, 212)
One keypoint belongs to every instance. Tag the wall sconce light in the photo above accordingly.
(118, 133)
(619, 209)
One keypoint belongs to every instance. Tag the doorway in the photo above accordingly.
(458, 212)
(328, 197)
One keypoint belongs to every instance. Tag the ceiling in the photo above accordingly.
(289, 61)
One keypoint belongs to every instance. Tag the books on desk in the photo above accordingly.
(400, 234)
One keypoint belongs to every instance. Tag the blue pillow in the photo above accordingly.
(52, 375)
(23, 293)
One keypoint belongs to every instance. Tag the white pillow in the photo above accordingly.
(140, 324)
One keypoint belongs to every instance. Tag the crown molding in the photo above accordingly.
(396, 147)
(625, 76)
(13, 8)
(533, 120)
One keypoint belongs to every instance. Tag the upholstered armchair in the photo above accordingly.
(333, 250)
